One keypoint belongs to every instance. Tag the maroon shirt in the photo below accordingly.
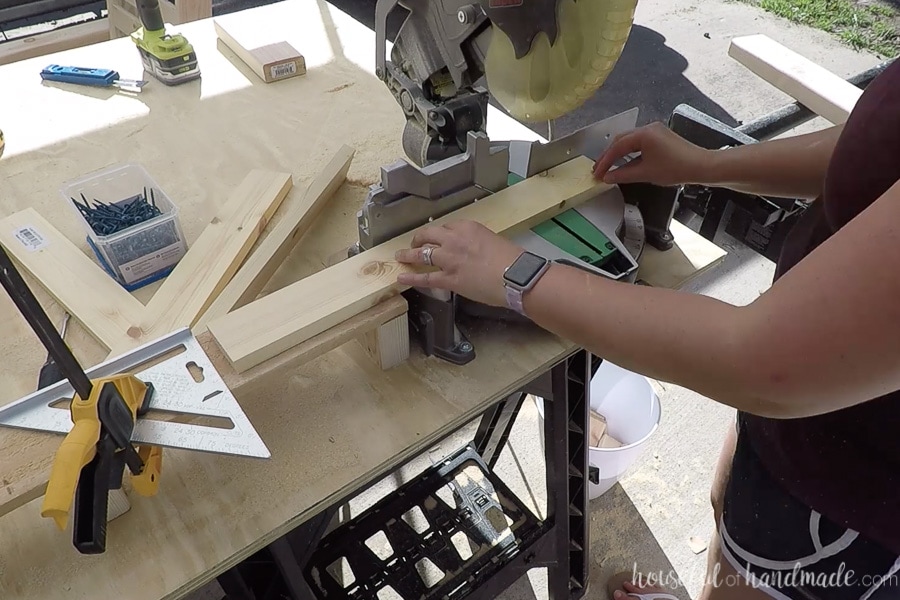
(846, 464)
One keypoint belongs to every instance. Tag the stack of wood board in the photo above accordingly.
(263, 329)
(215, 275)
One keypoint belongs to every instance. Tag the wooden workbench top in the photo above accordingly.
(338, 419)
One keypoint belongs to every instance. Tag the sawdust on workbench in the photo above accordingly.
(340, 87)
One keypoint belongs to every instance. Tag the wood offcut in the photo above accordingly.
(256, 272)
(269, 60)
(817, 88)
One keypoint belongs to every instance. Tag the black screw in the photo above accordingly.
(109, 218)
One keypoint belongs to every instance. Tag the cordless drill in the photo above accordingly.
(168, 57)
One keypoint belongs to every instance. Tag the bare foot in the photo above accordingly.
(624, 587)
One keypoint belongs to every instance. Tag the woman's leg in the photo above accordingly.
(769, 543)
(722, 581)
(722, 474)
(719, 572)
(787, 549)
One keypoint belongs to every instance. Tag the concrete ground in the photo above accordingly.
(677, 54)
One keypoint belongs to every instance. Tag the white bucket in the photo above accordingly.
(632, 411)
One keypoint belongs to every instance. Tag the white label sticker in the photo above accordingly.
(152, 263)
(31, 238)
(279, 71)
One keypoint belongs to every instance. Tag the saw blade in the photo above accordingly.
(186, 384)
(522, 20)
(557, 76)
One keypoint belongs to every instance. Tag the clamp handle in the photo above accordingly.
(147, 482)
(91, 459)
(76, 451)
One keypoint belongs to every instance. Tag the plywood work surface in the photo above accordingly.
(332, 424)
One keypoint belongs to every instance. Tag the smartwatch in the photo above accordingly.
(522, 275)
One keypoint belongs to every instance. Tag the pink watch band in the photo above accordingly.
(514, 300)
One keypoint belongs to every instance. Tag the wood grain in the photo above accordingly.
(244, 383)
(91, 296)
(817, 88)
(211, 260)
(388, 345)
(271, 325)
(253, 275)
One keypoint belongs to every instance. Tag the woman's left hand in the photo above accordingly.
(470, 260)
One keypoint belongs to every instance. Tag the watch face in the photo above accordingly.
(524, 269)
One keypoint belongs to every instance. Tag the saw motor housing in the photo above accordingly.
(541, 59)
(436, 60)
(439, 57)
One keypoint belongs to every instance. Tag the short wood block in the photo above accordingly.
(388, 345)
(271, 61)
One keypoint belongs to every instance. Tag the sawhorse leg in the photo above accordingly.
(495, 427)
(286, 554)
(566, 454)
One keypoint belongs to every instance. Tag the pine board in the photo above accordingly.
(271, 325)
(814, 86)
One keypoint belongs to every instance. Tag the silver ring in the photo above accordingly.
(426, 254)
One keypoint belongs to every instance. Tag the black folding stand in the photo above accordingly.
(296, 566)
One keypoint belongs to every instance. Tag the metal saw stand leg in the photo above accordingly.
(495, 427)
(566, 454)
(297, 565)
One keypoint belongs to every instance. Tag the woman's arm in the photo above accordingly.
(837, 310)
(792, 167)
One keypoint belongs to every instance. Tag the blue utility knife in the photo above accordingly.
(92, 77)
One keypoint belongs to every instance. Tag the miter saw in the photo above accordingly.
(541, 59)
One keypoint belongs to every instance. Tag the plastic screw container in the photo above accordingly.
(141, 253)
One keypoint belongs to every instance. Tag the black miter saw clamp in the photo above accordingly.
(605, 236)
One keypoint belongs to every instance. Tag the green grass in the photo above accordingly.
(864, 27)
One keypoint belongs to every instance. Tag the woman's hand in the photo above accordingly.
(470, 260)
(666, 158)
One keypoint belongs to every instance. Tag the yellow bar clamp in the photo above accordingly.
(80, 446)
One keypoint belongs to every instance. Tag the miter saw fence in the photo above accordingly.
(604, 236)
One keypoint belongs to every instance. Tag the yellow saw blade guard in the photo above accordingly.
(551, 81)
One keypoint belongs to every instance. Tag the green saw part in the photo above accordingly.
(571, 232)
(579, 226)
(564, 240)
